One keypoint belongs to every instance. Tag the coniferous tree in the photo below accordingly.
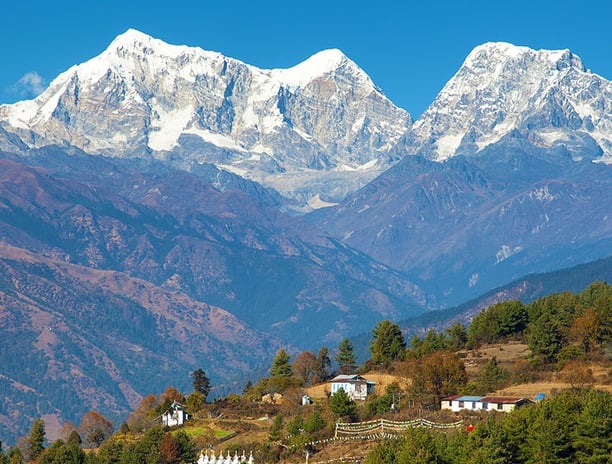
(247, 387)
(201, 383)
(491, 377)
(3, 457)
(322, 365)
(280, 364)
(37, 438)
(342, 405)
(457, 336)
(15, 456)
(314, 422)
(345, 357)
(187, 447)
(388, 342)
(276, 429)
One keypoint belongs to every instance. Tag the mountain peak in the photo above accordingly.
(135, 42)
(325, 62)
(144, 96)
(131, 36)
(503, 87)
(495, 52)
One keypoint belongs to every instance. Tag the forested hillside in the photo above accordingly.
(561, 344)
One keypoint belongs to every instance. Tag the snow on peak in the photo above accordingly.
(325, 60)
(498, 87)
(496, 52)
(129, 37)
(140, 44)
(498, 48)
(319, 64)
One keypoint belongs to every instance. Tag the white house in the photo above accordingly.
(502, 403)
(175, 415)
(356, 386)
(483, 403)
(460, 403)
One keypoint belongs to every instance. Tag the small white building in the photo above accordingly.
(356, 386)
(460, 403)
(483, 403)
(175, 415)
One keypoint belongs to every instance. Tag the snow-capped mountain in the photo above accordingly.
(548, 96)
(505, 183)
(285, 128)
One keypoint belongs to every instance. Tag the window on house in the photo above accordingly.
(500, 406)
(461, 404)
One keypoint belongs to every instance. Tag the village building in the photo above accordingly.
(175, 415)
(356, 386)
(272, 398)
(502, 403)
(458, 403)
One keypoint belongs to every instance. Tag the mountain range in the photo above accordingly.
(164, 208)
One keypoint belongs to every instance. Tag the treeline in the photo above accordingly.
(557, 328)
(572, 427)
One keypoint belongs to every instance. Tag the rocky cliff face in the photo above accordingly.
(319, 129)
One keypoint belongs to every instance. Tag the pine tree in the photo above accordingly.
(322, 366)
(37, 438)
(491, 377)
(280, 364)
(341, 404)
(388, 342)
(345, 357)
(276, 429)
(3, 457)
(201, 383)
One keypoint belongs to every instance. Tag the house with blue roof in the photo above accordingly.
(458, 403)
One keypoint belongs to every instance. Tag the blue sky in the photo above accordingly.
(410, 49)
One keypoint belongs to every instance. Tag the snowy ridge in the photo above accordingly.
(502, 87)
(318, 65)
(143, 97)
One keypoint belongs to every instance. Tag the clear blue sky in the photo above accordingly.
(410, 49)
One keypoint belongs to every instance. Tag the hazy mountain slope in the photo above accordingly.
(78, 339)
(285, 128)
(525, 289)
(462, 228)
(175, 230)
(112, 279)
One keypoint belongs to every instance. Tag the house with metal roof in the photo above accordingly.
(356, 386)
(175, 415)
(458, 403)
